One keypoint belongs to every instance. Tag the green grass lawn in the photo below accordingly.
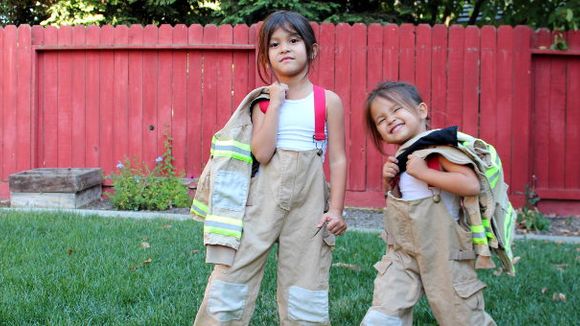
(62, 269)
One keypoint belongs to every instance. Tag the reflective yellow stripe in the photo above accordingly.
(234, 155)
(488, 231)
(477, 228)
(231, 142)
(225, 220)
(479, 241)
(199, 208)
(507, 227)
(220, 231)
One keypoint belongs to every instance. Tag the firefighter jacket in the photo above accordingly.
(222, 189)
(491, 204)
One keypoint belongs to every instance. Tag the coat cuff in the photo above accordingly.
(219, 255)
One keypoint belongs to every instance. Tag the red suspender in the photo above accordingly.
(319, 112)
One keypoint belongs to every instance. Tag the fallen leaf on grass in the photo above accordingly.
(69, 251)
(544, 290)
(167, 226)
(355, 268)
(559, 297)
(561, 267)
(516, 260)
(147, 261)
(498, 272)
(194, 251)
(145, 245)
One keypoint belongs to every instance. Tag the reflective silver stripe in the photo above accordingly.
(230, 149)
(223, 226)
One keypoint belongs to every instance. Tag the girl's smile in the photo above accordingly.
(396, 123)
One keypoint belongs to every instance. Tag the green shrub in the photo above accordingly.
(529, 217)
(137, 187)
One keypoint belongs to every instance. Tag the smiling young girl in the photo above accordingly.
(430, 247)
(286, 203)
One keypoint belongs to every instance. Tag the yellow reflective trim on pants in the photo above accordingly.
(225, 220)
(220, 231)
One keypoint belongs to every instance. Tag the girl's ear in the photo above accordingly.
(423, 110)
(314, 51)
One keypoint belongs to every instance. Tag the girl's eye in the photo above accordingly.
(294, 40)
(379, 121)
(273, 44)
(397, 109)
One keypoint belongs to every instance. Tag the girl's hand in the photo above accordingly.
(416, 166)
(278, 93)
(390, 170)
(334, 222)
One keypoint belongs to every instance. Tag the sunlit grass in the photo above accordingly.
(64, 269)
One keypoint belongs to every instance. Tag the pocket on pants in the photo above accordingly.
(383, 265)
(226, 300)
(471, 293)
(307, 305)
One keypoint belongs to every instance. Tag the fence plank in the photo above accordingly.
(241, 72)
(488, 79)
(224, 76)
(9, 127)
(164, 82)
(151, 76)
(342, 81)
(36, 97)
(572, 152)
(179, 100)
(439, 77)
(357, 176)
(23, 108)
(64, 106)
(314, 69)
(373, 159)
(2, 98)
(557, 124)
(135, 95)
(79, 141)
(522, 114)
(471, 81)
(50, 104)
(106, 101)
(120, 120)
(407, 53)
(209, 91)
(326, 55)
(390, 64)
(504, 86)
(195, 156)
(455, 73)
(423, 56)
(93, 90)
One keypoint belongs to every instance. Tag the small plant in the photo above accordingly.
(137, 187)
(529, 217)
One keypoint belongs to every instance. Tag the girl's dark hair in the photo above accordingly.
(291, 22)
(401, 93)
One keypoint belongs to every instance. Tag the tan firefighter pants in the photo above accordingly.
(432, 254)
(286, 201)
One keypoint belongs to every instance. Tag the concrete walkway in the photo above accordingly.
(184, 217)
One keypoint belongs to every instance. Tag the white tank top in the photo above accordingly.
(296, 125)
(413, 188)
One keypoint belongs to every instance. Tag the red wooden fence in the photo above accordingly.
(86, 97)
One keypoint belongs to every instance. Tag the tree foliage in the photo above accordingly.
(555, 14)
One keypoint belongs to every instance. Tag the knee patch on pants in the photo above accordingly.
(307, 305)
(377, 318)
(227, 301)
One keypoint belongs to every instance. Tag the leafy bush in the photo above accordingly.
(137, 187)
(529, 217)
